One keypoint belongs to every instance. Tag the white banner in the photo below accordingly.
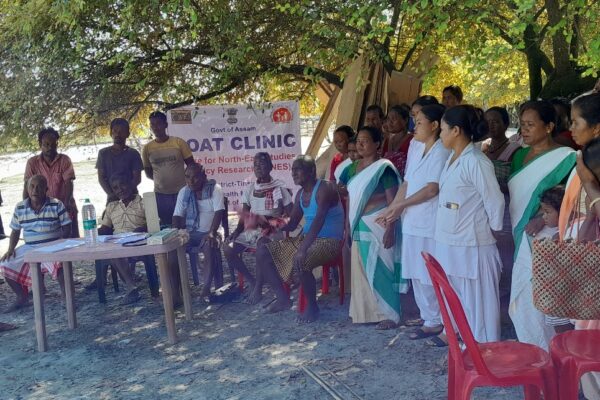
(225, 138)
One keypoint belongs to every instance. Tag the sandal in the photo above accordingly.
(436, 341)
(414, 322)
(385, 325)
(419, 333)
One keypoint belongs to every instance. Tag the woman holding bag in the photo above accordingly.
(584, 184)
(537, 168)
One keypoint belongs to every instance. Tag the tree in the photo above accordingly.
(77, 63)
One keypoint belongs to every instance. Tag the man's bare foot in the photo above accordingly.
(386, 324)
(17, 305)
(279, 305)
(311, 314)
(255, 296)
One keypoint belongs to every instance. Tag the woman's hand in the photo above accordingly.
(583, 171)
(342, 190)
(390, 215)
(389, 237)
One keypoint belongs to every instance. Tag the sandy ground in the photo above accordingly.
(232, 351)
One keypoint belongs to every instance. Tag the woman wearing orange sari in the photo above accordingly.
(584, 185)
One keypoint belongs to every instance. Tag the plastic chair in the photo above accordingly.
(151, 274)
(487, 364)
(339, 263)
(575, 353)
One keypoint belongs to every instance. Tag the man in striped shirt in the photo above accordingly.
(42, 219)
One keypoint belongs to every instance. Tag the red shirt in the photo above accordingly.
(337, 160)
(57, 173)
(398, 157)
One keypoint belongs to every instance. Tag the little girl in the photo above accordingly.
(550, 207)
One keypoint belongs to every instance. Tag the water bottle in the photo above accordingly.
(90, 225)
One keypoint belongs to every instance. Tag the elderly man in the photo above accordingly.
(278, 261)
(199, 209)
(42, 219)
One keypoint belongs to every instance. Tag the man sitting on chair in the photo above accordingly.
(278, 261)
(199, 210)
(124, 215)
(42, 219)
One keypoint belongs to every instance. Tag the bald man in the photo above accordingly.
(42, 219)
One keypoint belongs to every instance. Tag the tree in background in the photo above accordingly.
(75, 64)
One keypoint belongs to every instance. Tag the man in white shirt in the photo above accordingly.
(199, 209)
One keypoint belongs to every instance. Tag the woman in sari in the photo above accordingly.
(375, 281)
(585, 127)
(398, 139)
(500, 151)
(537, 168)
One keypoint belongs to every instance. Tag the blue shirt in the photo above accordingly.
(43, 226)
(333, 227)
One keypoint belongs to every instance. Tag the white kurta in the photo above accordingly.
(470, 206)
(418, 221)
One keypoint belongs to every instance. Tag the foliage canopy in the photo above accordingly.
(78, 63)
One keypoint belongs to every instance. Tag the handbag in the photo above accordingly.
(566, 275)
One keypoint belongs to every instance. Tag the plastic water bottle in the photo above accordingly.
(90, 225)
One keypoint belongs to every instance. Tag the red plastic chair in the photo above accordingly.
(487, 364)
(338, 262)
(575, 353)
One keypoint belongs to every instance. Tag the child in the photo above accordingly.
(550, 207)
(341, 137)
(352, 152)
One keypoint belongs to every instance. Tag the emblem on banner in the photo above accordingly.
(282, 115)
(232, 112)
(181, 117)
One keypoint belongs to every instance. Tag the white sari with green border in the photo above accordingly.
(526, 187)
(382, 266)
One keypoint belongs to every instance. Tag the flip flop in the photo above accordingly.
(414, 322)
(436, 342)
(386, 325)
(421, 334)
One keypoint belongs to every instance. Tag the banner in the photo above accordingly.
(225, 138)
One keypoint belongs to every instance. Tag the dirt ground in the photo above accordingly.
(231, 351)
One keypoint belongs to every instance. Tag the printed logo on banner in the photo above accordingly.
(181, 117)
(232, 112)
(281, 115)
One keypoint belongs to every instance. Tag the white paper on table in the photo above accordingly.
(67, 244)
(122, 238)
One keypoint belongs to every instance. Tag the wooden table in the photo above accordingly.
(99, 252)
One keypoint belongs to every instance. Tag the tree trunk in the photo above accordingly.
(534, 62)
(560, 47)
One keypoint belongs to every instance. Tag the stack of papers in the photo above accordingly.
(123, 238)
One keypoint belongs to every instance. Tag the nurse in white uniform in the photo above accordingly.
(470, 207)
(417, 203)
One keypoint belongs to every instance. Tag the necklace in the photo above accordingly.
(498, 147)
